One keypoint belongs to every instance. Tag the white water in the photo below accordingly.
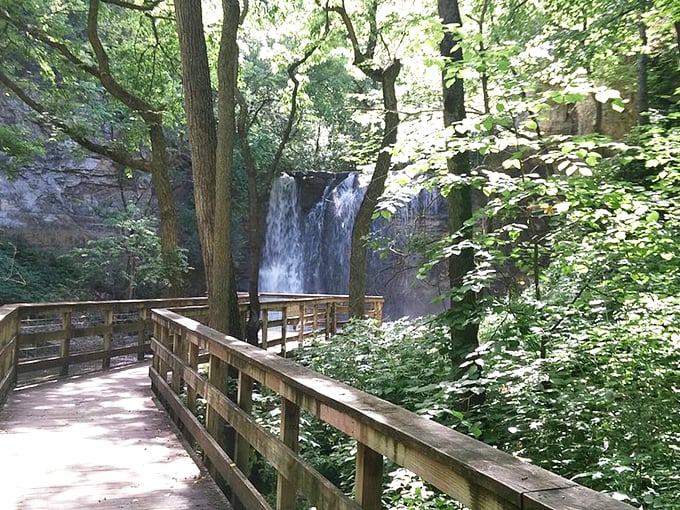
(308, 251)
(282, 262)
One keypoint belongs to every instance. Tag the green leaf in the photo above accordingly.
(618, 105)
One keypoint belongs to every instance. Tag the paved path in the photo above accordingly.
(96, 442)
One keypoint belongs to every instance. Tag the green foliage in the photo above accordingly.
(401, 362)
(18, 147)
(578, 275)
(32, 275)
(127, 264)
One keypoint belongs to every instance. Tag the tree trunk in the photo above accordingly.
(200, 122)
(463, 327)
(159, 156)
(167, 211)
(387, 77)
(677, 35)
(362, 222)
(642, 60)
(254, 230)
(224, 312)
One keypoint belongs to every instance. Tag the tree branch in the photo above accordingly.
(145, 7)
(115, 155)
(46, 39)
(361, 59)
(292, 114)
(112, 86)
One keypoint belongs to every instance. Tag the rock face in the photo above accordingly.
(59, 200)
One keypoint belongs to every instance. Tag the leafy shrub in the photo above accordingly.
(29, 274)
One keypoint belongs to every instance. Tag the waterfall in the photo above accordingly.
(308, 237)
(282, 259)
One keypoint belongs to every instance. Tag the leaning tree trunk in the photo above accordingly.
(159, 156)
(464, 328)
(362, 221)
(386, 75)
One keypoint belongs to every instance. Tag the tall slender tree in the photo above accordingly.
(212, 158)
(386, 76)
(463, 326)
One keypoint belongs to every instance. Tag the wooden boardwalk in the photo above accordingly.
(97, 442)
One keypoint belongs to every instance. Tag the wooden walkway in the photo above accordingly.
(97, 442)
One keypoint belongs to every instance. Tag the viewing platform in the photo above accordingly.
(71, 441)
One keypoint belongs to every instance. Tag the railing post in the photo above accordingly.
(215, 424)
(192, 361)
(65, 347)
(141, 339)
(108, 338)
(315, 318)
(265, 327)
(301, 333)
(334, 319)
(17, 331)
(161, 334)
(284, 330)
(179, 351)
(327, 325)
(245, 402)
(286, 492)
(369, 478)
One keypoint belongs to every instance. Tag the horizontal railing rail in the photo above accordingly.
(46, 340)
(58, 339)
(477, 475)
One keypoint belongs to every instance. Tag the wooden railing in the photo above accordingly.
(8, 349)
(46, 340)
(475, 474)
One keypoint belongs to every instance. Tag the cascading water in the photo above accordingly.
(330, 260)
(282, 259)
(307, 243)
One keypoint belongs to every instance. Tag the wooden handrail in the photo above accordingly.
(477, 475)
(53, 333)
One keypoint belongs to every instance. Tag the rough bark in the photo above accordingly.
(212, 152)
(463, 330)
(375, 189)
(200, 122)
(224, 312)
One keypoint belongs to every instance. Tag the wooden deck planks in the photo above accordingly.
(97, 442)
